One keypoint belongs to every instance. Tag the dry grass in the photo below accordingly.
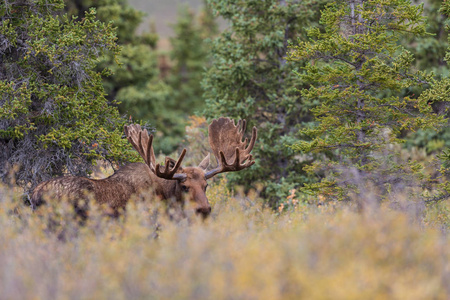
(243, 252)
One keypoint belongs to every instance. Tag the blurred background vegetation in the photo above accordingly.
(159, 78)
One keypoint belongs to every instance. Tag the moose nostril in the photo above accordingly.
(205, 211)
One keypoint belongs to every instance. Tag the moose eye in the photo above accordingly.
(185, 188)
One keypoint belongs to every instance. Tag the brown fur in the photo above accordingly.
(116, 190)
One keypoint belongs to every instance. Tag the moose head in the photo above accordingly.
(188, 184)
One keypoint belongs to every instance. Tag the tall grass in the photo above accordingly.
(244, 251)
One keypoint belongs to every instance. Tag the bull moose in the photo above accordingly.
(168, 182)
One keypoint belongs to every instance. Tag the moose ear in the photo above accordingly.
(205, 162)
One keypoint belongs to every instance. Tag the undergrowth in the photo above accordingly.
(243, 251)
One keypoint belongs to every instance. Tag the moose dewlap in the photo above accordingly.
(168, 182)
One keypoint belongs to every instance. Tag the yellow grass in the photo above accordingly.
(245, 251)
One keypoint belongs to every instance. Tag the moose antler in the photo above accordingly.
(225, 139)
(142, 143)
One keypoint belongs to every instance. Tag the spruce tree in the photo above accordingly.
(54, 116)
(189, 56)
(358, 72)
(150, 85)
(438, 93)
(429, 52)
(251, 79)
(136, 83)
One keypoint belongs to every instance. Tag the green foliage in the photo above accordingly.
(54, 115)
(251, 79)
(438, 93)
(429, 52)
(146, 85)
(358, 72)
(123, 16)
(135, 84)
(188, 59)
(445, 9)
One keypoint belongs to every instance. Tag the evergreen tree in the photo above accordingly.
(438, 93)
(135, 83)
(54, 115)
(125, 18)
(163, 99)
(189, 56)
(429, 51)
(251, 79)
(358, 72)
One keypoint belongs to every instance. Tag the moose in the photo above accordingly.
(168, 182)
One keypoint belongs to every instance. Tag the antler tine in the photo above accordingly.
(236, 160)
(130, 133)
(150, 152)
(223, 166)
(252, 140)
(240, 165)
(244, 125)
(143, 144)
(170, 173)
(146, 147)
